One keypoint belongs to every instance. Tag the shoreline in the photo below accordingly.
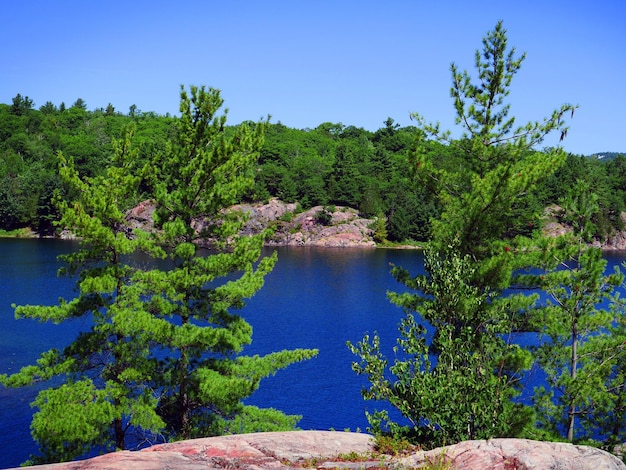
(28, 234)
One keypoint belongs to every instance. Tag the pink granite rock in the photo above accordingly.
(329, 449)
(518, 454)
(245, 451)
(346, 229)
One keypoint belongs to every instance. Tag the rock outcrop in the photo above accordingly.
(554, 227)
(329, 449)
(516, 454)
(343, 227)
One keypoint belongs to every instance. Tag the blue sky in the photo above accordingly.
(306, 62)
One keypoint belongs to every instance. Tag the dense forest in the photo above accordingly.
(333, 164)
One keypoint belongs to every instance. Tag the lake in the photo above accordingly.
(314, 298)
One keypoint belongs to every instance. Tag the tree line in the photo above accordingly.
(333, 164)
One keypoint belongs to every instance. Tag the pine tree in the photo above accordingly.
(608, 419)
(582, 348)
(162, 357)
(102, 392)
(207, 168)
(460, 384)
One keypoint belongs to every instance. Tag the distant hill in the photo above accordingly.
(606, 155)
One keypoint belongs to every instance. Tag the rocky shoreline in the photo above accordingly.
(321, 226)
(554, 227)
(335, 226)
(344, 227)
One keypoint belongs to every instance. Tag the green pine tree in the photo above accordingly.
(207, 168)
(163, 354)
(460, 385)
(100, 390)
(582, 350)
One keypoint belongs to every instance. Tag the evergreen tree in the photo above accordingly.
(582, 346)
(608, 419)
(21, 105)
(102, 392)
(459, 385)
(162, 354)
(344, 181)
(203, 171)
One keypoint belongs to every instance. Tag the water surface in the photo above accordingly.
(314, 298)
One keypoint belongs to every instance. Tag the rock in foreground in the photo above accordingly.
(517, 454)
(329, 449)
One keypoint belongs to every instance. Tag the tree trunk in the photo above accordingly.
(119, 434)
(574, 366)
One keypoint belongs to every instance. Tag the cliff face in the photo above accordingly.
(329, 450)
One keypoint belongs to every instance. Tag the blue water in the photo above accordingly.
(27, 275)
(321, 298)
(314, 298)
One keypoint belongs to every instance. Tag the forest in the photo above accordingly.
(333, 164)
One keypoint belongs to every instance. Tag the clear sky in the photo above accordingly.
(305, 62)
